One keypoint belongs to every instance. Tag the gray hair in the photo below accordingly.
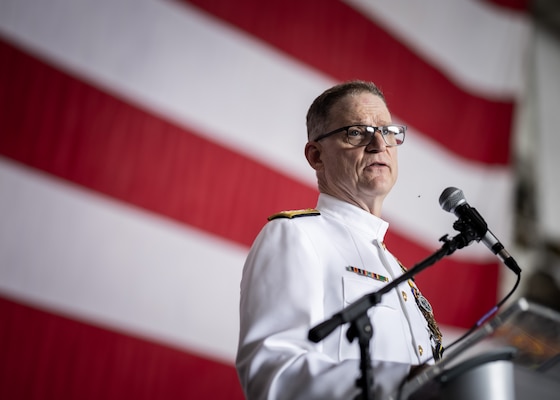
(319, 112)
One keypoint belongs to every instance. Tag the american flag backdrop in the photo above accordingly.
(143, 143)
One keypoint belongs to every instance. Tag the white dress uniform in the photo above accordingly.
(302, 271)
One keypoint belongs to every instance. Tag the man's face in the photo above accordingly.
(361, 175)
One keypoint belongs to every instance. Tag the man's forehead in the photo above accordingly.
(362, 105)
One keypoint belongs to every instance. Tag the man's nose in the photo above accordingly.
(377, 143)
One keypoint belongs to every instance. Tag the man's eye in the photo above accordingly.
(355, 132)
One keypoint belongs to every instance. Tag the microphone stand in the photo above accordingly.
(356, 313)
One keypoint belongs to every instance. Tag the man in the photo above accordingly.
(307, 265)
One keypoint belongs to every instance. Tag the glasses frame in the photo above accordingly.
(381, 129)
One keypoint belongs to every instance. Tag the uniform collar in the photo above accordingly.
(352, 216)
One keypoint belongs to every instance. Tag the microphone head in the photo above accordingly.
(450, 198)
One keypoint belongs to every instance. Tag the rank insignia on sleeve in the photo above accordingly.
(306, 212)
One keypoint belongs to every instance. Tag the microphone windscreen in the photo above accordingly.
(450, 198)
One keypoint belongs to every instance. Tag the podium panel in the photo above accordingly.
(519, 358)
(493, 380)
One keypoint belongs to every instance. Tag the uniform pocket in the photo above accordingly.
(355, 288)
(389, 336)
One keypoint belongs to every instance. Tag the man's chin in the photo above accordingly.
(379, 186)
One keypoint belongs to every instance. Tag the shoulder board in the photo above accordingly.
(306, 212)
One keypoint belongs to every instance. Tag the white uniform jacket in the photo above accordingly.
(296, 276)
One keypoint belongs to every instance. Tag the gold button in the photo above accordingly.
(404, 296)
(420, 350)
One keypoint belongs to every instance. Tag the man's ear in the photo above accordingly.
(313, 155)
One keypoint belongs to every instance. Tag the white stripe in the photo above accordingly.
(479, 46)
(198, 72)
(88, 257)
(425, 170)
(92, 258)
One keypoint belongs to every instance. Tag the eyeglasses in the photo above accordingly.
(362, 135)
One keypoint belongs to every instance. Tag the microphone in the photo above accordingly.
(453, 200)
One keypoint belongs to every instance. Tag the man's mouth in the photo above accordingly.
(377, 164)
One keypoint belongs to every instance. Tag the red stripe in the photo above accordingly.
(45, 356)
(74, 131)
(517, 5)
(70, 129)
(460, 293)
(339, 41)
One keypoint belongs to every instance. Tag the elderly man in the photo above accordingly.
(307, 265)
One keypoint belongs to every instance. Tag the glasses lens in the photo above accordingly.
(393, 134)
(360, 135)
